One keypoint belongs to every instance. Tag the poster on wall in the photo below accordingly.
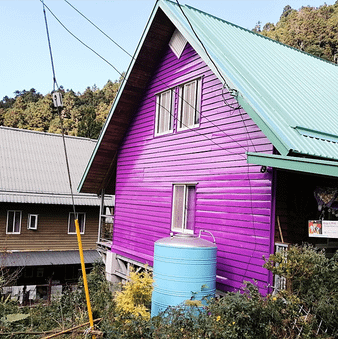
(323, 228)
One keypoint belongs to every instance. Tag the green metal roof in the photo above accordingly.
(292, 96)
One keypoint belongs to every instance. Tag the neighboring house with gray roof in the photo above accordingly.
(36, 216)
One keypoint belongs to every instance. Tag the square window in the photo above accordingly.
(81, 217)
(13, 222)
(189, 105)
(164, 112)
(39, 272)
(28, 272)
(32, 223)
(183, 210)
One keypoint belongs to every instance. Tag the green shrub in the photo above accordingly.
(313, 278)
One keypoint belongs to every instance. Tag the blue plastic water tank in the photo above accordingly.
(184, 268)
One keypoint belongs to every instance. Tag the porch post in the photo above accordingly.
(100, 215)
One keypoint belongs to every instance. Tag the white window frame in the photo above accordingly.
(183, 208)
(164, 110)
(30, 225)
(186, 103)
(82, 226)
(14, 221)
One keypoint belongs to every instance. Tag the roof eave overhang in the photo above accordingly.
(306, 165)
(98, 174)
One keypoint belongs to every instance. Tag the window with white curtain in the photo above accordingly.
(183, 208)
(81, 217)
(13, 222)
(189, 105)
(164, 113)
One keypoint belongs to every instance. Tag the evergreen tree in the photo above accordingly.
(310, 29)
(83, 114)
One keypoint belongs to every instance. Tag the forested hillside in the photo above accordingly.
(83, 113)
(310, 29)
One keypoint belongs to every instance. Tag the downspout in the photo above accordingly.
(272, 224)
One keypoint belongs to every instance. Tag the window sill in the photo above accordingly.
(176, 230)
(162, 134)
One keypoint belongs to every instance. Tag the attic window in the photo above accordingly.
(177, 43)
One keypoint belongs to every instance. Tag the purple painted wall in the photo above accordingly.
(233, 199)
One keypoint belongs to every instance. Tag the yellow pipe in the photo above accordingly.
(84, 275)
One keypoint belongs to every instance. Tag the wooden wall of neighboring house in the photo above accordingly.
(233, 199)
(52, 232)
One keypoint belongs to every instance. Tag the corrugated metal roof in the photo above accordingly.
(292, 96)
(46, 258)
(55, 199)
(33, 167)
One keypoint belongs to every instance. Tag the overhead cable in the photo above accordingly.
(78, 39)
(163, 82)
(106, 35)
(232, 91)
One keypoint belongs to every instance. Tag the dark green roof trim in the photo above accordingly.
(314, 166)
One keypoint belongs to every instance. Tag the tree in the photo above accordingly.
(88, 127)
(83, 114)
(287, 10)
(39, 114)
(310, 29)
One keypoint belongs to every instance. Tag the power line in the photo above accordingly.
(76, 221)
(78, 39)
(50, 47)
(106, 35)
(163, 82)
(233, 93)
(122, 75)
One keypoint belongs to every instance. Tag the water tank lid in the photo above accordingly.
(185, 240)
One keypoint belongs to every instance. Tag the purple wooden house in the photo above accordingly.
(217, 128)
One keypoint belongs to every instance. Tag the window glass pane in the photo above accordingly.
(71, 227)
(189, 111)
(164, 112)
(178, 206)
(197, 102)
(81, 219)
(17, 222)
(10, 221)
(190, 207)
(190, 103)
(33, 221)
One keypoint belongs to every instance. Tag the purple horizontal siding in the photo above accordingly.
(233, 199)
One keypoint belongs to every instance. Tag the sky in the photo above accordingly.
(25, 61)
